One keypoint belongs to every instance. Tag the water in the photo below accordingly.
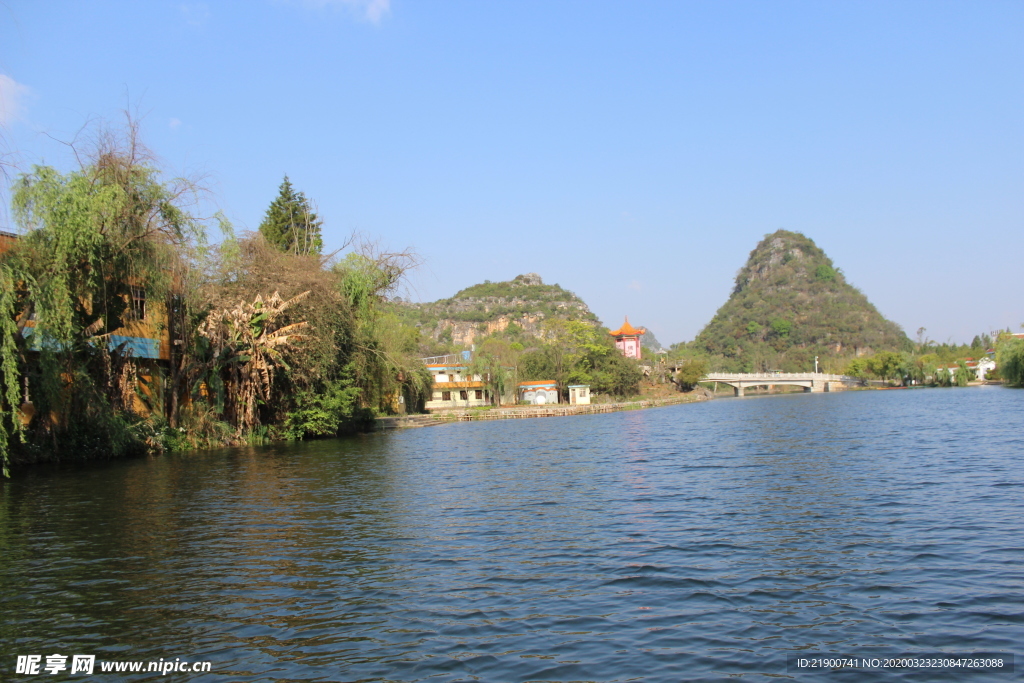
(695, 542)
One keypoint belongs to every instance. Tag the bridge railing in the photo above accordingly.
(780, 376)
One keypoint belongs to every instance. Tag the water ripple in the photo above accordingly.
(697, 542)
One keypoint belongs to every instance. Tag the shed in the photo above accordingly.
(538, 393)
(579, 394)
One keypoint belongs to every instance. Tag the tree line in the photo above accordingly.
(267, 337)
(925, 363)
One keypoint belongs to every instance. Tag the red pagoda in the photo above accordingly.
(627, 339)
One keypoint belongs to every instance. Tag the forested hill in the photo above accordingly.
(517, 307)
(790, 304)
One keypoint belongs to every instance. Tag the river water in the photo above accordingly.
(694, 542)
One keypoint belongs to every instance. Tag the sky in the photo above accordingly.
(632, 152)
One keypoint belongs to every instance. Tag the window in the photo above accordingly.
(463, 395)
(446, 395)
(479, 394)
(138, 303)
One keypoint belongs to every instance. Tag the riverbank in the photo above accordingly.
(525, 412)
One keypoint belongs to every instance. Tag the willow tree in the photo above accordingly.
(497, 361)
(381, 351)
(89, 238)
(1010, 359)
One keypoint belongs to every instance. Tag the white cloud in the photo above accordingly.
(12, 100)
(371, 10)
(375, 9)
(175, 124)
(635, 286)
(196, 13)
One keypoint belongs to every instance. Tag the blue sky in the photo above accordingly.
(633, 152)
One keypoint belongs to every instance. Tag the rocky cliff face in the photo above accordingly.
(790, 304)
(519, 306)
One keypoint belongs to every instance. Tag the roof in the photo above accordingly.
(140, 347)
(539, 383)
(7, 240)
(442, 386)
(628, 330)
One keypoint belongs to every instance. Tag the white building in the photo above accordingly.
(538, 393)
(456, 387)
(579, 394)
(980, 368)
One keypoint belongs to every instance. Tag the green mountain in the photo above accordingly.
(790, 304)
(518, 307)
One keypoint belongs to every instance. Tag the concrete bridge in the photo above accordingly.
(810, 381)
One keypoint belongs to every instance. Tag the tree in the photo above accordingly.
(886, 364)
(356, 358)
(857, 367)
(963, 374)
(916, 370)
(920, 337)
(497, 360)
(92, 236)
(825, 273)
(781, 327)
(690, 373)
(290, 223)
(1010, 360)
(246, 345)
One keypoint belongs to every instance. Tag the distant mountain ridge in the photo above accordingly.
(489, 307)
(790, 304)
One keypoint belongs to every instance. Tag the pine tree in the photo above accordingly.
(290, 224)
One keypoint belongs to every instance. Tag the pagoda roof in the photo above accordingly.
(628, 330)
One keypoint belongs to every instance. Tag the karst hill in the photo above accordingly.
(517, 307)
(790, 304)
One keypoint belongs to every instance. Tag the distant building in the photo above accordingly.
(579, 394)
(627, 339)
(980, 368)
(456, 387)
(538, 393)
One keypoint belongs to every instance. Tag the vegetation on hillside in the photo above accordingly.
(524, 297)
(550, 334)
(789, 304)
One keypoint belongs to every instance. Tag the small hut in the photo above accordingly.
(538, 393)
(579, 394)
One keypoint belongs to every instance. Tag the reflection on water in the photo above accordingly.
(697, 541)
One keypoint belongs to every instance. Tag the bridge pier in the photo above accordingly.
(737, 390)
